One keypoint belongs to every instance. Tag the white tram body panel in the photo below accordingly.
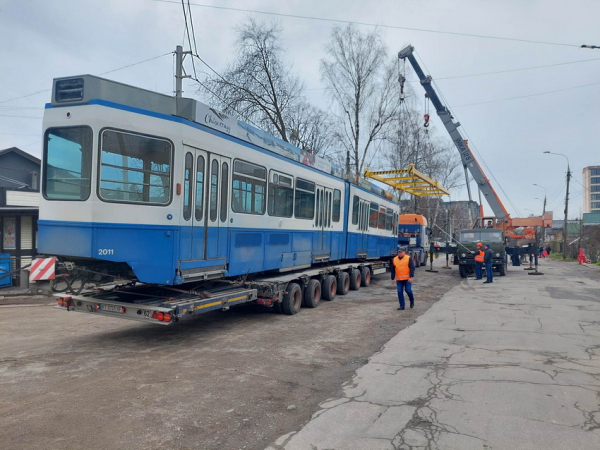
(132, 184)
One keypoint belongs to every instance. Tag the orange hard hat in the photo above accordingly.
(479, 244)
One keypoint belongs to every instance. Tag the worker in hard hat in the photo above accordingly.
(479, 257)
(403, 272)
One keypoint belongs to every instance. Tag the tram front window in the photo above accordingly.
(134, 168)
(67, 163)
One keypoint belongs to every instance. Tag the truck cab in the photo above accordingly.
(467, 249)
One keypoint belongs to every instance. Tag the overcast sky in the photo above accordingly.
(508, 123)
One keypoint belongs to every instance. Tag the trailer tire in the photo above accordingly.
(329, 288)
(355, 279)
(312, 294)
(365, 276)
(463, 271)
(292, 300)
(343, 283)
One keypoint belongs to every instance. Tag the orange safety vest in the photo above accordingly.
(480, 256)
(402, 267)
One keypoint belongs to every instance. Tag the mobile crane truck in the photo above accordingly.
(502, 231)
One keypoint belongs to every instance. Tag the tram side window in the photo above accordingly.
(199, 209)
(187, 187)
(249, 188)
(224, 184)
(214, 189)
(67, 163)
(305, 199)
(355, 208)
(337, 205)
(382, 219)
(389, 218)
(281, 195)
(373, 215)
(134, 168)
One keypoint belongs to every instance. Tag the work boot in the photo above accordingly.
(400, 309)
(412, 304)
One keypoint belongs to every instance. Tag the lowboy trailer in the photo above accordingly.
(285, 292)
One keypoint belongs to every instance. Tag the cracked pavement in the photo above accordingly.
(511, 365)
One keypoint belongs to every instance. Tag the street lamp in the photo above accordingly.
(566, 202)
(590, 46)
(543, 213)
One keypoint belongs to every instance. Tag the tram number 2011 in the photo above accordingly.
(105, 251)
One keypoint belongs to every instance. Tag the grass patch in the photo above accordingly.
(559, 257)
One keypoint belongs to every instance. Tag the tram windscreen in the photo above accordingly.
(67, 163)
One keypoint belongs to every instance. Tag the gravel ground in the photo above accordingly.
(225, 380)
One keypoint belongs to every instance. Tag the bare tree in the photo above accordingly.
(258, 86)
(364, 88)
(311, 128)
(409, 142)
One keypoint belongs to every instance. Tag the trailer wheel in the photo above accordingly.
(329, 288)
(365, 276)
(292, 300)
(312, 294)
(343, 283)
(355, 280)
(463, 271)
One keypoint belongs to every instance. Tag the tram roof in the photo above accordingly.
(83, 89)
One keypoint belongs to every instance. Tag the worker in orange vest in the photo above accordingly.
(479, 257)
(403, 274)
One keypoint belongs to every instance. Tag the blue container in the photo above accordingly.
(5, 281)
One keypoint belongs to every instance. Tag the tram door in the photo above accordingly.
(323, 208)
(194, 204)
(363, 225)
(217, 208)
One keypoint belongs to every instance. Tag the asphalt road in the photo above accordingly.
(227, 380)
(513, 365)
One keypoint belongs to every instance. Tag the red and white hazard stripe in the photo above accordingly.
(42, 269)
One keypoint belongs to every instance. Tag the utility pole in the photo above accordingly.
(543, 225)
(543, 213)
(179, 72)
(566, 202)
(566, 213)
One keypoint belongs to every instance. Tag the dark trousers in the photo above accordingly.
(488, 272)
(478, 267)
(404, 285)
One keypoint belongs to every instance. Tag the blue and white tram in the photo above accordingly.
(162, 190)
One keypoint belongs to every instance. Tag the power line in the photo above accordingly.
(425, 30)
(492, 73)
(192, 25)
(20, 117)
(518, 70)
(187, 30)
(103, 73)
(529, 95)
